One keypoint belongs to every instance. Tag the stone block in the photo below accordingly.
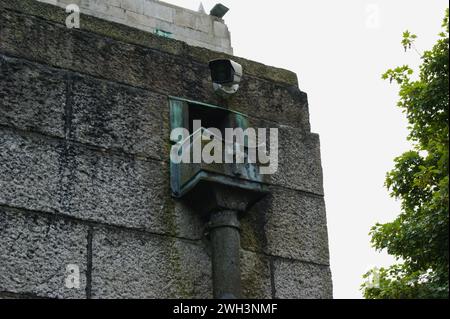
(281, 104)
(116, 3)
(111, 82)
(299, 161)
(159, 11)
(137, 266)
(145, 68)
(32, 97)
(56, 177)
(225, 43)
(220, 30)
(255, 276)
(185, 19)
(188, 34)
(29, 172)
(115, 12)
(299, 158)
(114, 189)
(288, 224)
(137, 19)
(136, 6)
(98, 6)
(120, 18)
(130, 265)
(203, 23)
(35, 252)
(130, 35)
(120, 117)
(183, 221)
(297, 280)
(165, 26)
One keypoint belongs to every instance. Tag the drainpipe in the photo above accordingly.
(224, 233)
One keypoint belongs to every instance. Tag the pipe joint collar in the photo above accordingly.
(224, 219)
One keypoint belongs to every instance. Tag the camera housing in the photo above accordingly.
(226, 76)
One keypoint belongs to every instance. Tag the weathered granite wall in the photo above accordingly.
(195, 28)
(84, 174)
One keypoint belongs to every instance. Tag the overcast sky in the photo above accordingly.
(339, 49)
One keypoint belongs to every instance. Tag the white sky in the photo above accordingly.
(339, 53)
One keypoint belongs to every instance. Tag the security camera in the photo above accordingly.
(226, 76)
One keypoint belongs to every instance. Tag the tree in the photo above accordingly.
(418, 237)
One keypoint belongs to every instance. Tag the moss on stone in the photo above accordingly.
(138, 37)
(255, 275)
(175, 259)
(250, 239)
(182, 284)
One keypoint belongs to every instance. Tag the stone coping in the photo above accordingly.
(131, 35)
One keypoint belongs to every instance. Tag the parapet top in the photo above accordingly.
(196, 28)
(135, 36)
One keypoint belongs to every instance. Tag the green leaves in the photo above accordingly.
(399, 74)
(419, 235)
(408, 40)
(399, 282)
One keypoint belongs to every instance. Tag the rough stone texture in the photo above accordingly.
(299, 162)
(113, 189)
(142, 38)
(29, 173)
(255, 276)
(100, 113)
(118, 61)
(55, 177)
(299, 158)
(297, 280)
(145, 68)
(84, 170)
(128, 265)
(289, 224)
(31, 97)
(35, 252)
(272, 102)
(11, 295)
(119, 117)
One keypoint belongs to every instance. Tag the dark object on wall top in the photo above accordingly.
(219, 11)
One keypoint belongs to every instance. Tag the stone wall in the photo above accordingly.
(84, 167)
(194, 28)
